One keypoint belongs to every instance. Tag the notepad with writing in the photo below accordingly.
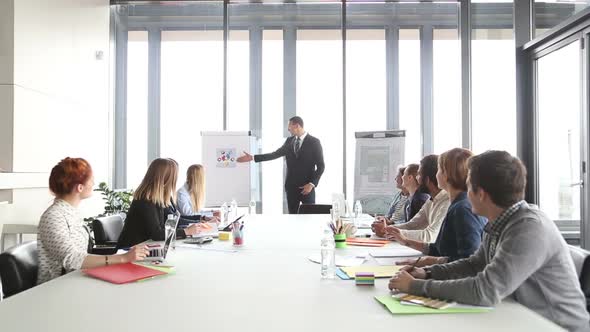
(123, 273)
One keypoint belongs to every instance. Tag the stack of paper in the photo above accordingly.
(395, 306)
(378, 271)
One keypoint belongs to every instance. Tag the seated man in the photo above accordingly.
(522, 255)
(425, 225)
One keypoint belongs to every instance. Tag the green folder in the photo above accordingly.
(396, 308)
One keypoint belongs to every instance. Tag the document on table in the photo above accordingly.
(395, 252)
(379, 271)
(340, 260)
(395, 306)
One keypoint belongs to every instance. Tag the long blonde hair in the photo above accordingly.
(159, 183)
(195, 182)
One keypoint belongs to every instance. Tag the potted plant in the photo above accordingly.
(116, 201)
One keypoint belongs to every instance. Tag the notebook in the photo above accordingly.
(123, 273)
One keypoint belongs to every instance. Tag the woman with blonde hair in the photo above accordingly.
(152, 201)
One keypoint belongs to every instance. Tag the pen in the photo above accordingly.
(414, 265)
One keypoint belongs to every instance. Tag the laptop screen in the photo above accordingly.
(169, 238)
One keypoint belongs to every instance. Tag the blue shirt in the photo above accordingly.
(460, 233)
(185, 207)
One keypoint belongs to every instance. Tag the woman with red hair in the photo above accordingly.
(63, 240)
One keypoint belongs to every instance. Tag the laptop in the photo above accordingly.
(159, 249)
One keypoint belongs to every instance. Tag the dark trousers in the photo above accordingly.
(294, 197)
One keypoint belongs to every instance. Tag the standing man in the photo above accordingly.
(305, 164)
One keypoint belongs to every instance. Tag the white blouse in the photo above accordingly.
(62, 241)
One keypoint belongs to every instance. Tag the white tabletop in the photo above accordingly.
(267, 285)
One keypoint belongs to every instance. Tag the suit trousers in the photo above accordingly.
(295, 197)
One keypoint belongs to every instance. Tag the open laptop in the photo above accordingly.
(159, 249)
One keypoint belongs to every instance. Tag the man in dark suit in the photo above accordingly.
(305, 164)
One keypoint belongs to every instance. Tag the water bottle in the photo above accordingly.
(358, 209)
(170, 229)
(224, 213)
(335, 210)
(328, 255)
(252, 207)
(234, 209)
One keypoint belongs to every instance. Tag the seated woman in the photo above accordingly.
(418, 195)
(461, 230)
(152, 201)
(397, 206)
(191, 197)
(63, 240)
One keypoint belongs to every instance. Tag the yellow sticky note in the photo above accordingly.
(380, 271)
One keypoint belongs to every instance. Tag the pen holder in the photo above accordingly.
(340, 240)
(238, 236)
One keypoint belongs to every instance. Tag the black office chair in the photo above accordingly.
(107, 229)
(18, 268)
(314, 209)
(581, 259)
(106, 233)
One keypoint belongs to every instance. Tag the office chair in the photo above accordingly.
(581, 259)
(107, 229)
(18, 268)
(314, 209)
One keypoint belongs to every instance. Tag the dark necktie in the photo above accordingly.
(297, 146)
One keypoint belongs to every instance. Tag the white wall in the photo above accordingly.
(61, 95)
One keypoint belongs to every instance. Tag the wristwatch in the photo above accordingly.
(428, 273)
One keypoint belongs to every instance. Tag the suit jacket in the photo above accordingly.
(307, 167)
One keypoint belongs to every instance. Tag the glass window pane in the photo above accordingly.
(365, 90)
(238, 84)
(137, 97)
(191, 93)
(559, 128)
(273, 123)
(319, 100)
(493, 83)
(549, 13)
(446, 90)
(409, 92)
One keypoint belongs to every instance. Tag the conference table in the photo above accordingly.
(268, 284)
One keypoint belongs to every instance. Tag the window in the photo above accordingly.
(238, 84)
(559, 132)
(446, 101)
(319, 100)
(549, 13)
(273, 124)
(365, 90)
(493, 73)
(137, 97)
(191, 93)
(409, 92)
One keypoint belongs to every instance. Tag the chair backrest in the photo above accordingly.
(18, 268)
(581, 260)
(107, 229)
(314, 209)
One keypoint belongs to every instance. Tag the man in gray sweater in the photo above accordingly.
(522, 256)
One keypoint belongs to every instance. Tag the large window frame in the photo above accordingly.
(128, 17)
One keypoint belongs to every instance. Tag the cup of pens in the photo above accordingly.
(340, 230)
(238, 233)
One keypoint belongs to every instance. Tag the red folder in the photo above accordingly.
(122, 273)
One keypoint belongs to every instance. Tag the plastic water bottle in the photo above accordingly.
(358, 209)
(335, 210)
(234, 209)
(224, 213)
(328, 255)
(170, 229)
(252, 207)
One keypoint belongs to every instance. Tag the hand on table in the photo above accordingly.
(136, 253)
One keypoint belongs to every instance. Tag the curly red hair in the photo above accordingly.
(67, 174)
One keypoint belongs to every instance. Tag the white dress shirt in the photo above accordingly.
(425, 225)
